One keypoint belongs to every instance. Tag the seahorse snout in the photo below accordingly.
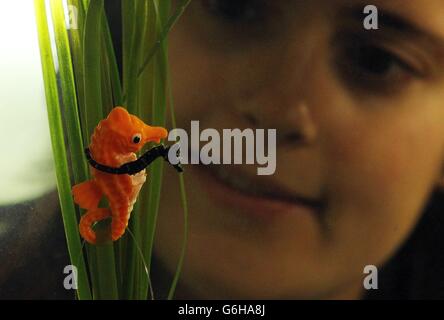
(154, 134)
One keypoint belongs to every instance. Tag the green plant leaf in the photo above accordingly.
(92, 71)
(90, 85)
(183, 197)
(158, 117)
(169, 25)
(92, 66)
(60, 152)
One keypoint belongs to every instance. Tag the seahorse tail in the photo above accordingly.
(88, 219)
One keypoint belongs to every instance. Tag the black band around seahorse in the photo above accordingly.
(135, 166)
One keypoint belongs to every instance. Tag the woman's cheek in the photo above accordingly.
(381, 168)
(201, 81)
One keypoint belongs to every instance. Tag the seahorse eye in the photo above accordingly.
(137, 138)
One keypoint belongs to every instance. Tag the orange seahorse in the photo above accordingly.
(113, 144)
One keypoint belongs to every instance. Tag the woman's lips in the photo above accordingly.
(252, 194)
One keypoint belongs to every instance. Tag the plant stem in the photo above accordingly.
(183, 197)
(169, 25)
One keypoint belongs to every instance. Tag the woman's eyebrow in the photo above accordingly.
(390, 21)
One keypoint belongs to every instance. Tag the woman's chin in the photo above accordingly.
(234, 270)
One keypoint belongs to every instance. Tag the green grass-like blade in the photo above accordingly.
(128, 30)
(92, 71)
(111, 97)
(129, 98)
(116, 85)
(137, 16)
(176, 276)
(59, 151)
(149, 218)
(183, 196)
(169, 25)
(76, 46)
(92, 65)
(145, 91)
(108, 286)
(71, 107)
(69, 97)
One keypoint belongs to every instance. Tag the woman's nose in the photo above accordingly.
(285, 101)
(286, 98)
(294, 123)
(298, 125)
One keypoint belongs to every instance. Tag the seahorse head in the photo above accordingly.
(126, 133)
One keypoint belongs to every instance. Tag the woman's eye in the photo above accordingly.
(236, 11)
(373, 68)
(376, 61)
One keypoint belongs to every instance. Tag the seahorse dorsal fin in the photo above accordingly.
(119, 114)
(119, 120)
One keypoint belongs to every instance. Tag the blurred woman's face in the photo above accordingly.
(360, 136)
